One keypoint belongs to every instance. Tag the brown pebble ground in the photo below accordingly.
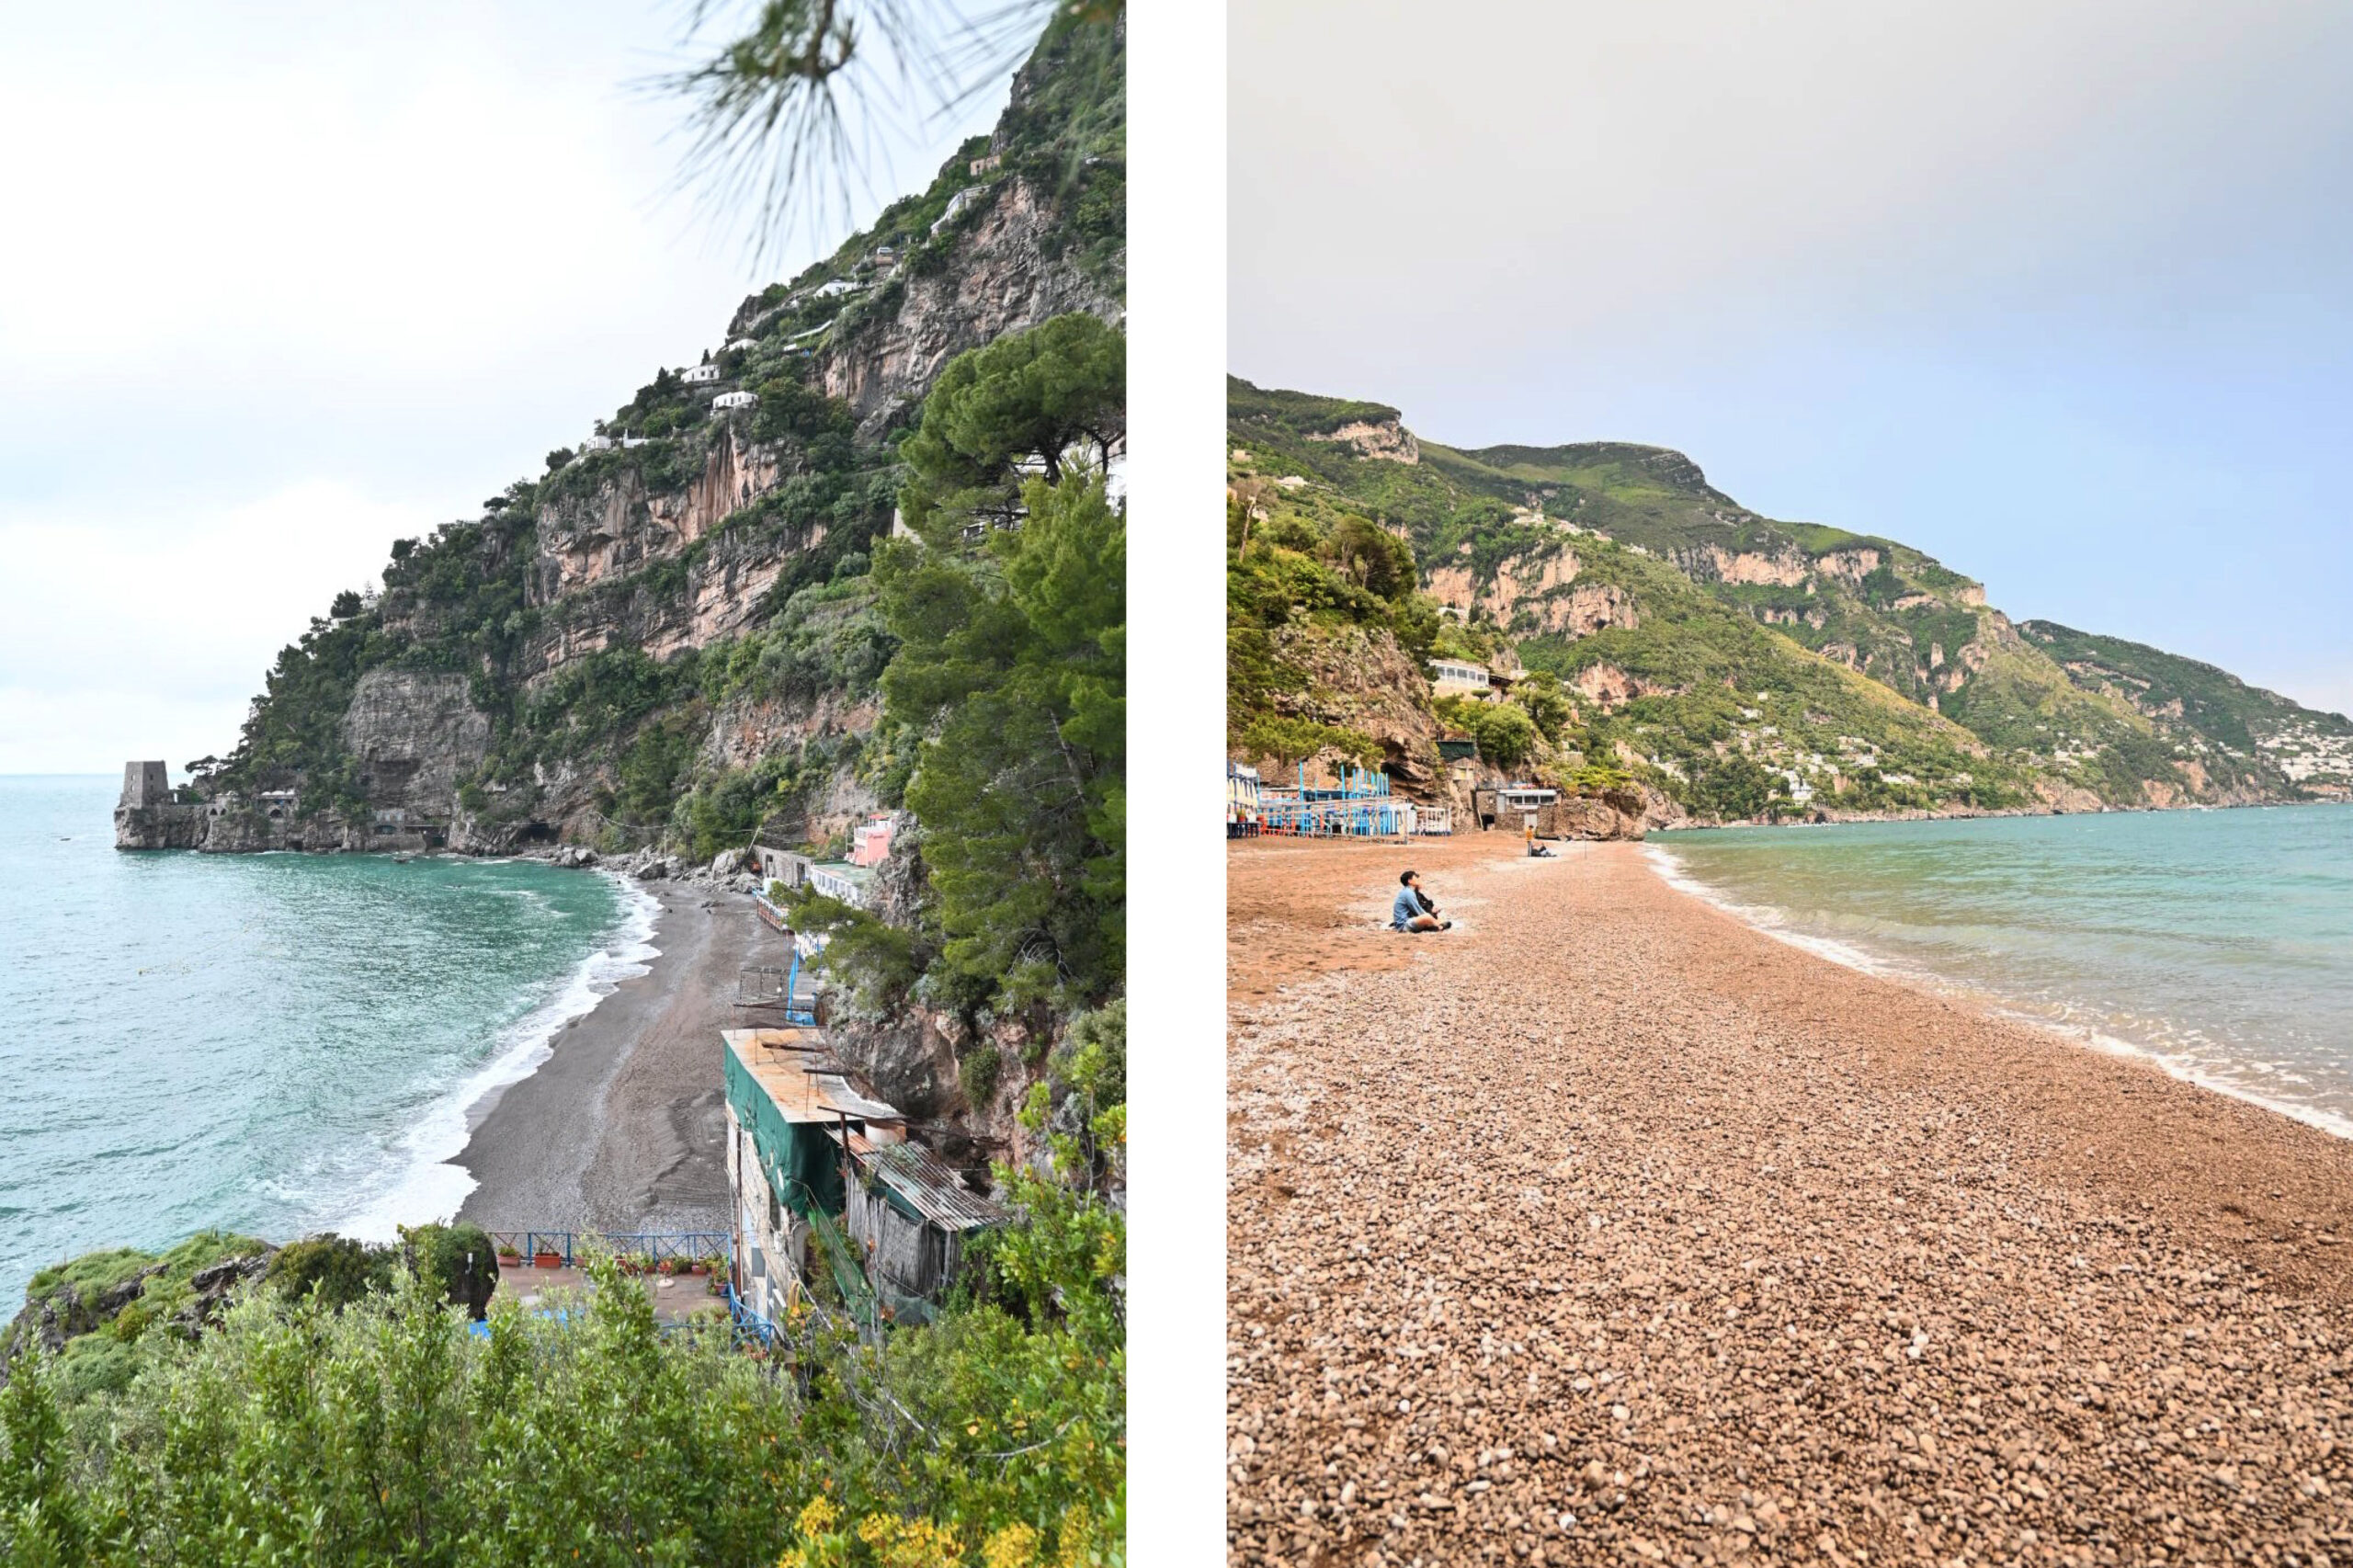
(1603, 1228)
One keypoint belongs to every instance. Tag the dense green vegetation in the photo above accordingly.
(1004, 717)
(374, 1429)
(1031, 397)
(1768, 663)
(1300, 564)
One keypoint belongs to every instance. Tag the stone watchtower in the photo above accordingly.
(148, 818)
(146, 784)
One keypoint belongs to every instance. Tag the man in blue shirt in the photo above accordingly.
(1413, 911)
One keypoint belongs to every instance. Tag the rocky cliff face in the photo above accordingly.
(683, 526)
(1383, 439)
(1360, 680)
(415, 736)
(1620, 814)
(1005, 273)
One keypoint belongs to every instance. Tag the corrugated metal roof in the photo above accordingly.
(928, 1183)
(780, 1063)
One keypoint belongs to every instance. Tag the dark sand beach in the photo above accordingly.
(1607, 1229)
(623, 1127)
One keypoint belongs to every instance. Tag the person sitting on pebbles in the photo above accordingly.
(1414, 911)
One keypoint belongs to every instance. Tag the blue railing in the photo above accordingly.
(748, 1323)
(655, 1244)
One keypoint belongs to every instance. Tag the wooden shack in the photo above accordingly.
(911, 1215)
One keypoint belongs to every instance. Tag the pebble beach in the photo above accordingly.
(623, 1127)
(1604, 1228)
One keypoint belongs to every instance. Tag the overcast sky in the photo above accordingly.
(284, 282)
(2061, 293)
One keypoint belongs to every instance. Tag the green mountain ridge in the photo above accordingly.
(1801, 667)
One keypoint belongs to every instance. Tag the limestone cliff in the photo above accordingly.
(1003, 274)
(678, 606)
(1352, 677)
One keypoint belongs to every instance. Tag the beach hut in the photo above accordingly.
(910, 1214)
(789, 1104)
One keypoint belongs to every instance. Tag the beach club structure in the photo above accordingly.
(1511, 806)
(824, 1182)
(1466, 677)
(1358, 803)
(1242, 810)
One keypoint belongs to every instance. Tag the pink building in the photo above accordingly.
(871, 841)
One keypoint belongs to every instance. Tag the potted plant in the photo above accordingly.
(548, 1257)
(509, 1256)
(698, 1266)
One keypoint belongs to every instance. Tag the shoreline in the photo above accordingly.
(1971, 813)
(1770, 922)
(1608, 1223)
(617, 1122)
(434, 1181)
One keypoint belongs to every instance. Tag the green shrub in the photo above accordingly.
(386, 1434)
(1290, 741)
(978, 1072)
(95, 1363)
(1094, 1054)
(334, 1271)
(460, 1260)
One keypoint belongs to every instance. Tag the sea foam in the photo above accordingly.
(2180, 1049)
(428, 1185)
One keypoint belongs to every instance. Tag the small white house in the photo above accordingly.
(736, 400)
(743, 345)
(696, 375)
(599, 444)
(1460, 677)
(957, 203)
(834, 286)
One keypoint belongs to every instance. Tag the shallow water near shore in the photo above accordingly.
(271, 1043)
(2219, 943)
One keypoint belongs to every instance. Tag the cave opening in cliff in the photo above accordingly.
(538, 833)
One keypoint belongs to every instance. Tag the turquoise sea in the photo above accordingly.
(2220, 943)
(274, 1043)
